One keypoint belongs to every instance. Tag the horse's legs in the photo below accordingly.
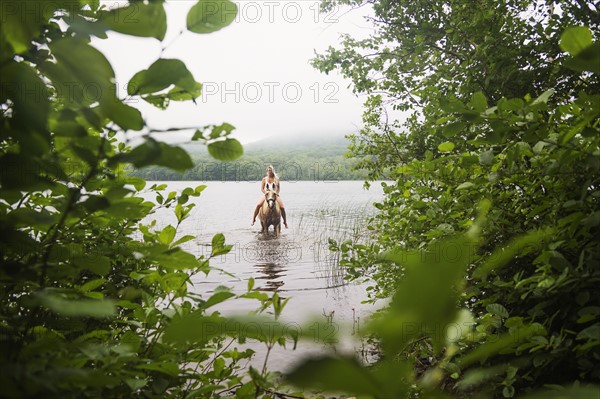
(284, 218)
(256, 210)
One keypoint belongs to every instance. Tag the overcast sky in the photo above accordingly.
(255, 72)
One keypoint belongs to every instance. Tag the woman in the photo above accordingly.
(270, 182)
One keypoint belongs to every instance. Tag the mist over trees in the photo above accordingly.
(296, 158)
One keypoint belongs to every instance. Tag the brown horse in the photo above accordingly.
(270, 213)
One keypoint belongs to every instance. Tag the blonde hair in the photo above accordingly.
(276, 176)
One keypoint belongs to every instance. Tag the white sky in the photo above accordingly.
(255, 72)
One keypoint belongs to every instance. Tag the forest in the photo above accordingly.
(484, 249)
(295, 159)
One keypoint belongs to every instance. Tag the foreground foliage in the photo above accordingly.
(487, 241)
(95, 299)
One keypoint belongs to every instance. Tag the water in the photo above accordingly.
(296, 265)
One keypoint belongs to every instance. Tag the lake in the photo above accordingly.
(297, 265)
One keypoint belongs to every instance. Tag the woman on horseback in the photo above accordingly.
(270, 182)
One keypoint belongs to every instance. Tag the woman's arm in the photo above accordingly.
(262, 187)
(278, 185)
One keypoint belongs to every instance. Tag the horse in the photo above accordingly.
(270, 213)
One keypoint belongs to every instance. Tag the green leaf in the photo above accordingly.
(160, 75)
(576, 39)
(81, 74)
(217, 298)
(175, 259)
(544, 97)
(128, 118)
(479, 102)
(218, 240)
(169, 368)
(167, 235)
(453, 129)
(22, 21)
(497, 345)
(134, 384)
(183, 240)
(194, 328)
(497, 309)
(178, 94)
(138, 19)
(98, 264)
(592, 332)
(221, 130)
(573, 392)
(78, 307)
(586, 60)
(31, 108)
(218, 245)
(226, 150)
(466, 185)
(153, 152)
(208, 16)
(175, 158)
(335, 375)
(527, 243)
(446, 147)
(261, 296)
(486, 157)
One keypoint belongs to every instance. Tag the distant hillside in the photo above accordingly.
(295, 158)
(333, 144)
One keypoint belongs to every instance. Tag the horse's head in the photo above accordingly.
(271, 198)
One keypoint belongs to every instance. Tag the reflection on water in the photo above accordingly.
(272, 274)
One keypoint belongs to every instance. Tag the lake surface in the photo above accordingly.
(297, 264)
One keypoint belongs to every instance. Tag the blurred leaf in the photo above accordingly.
(81, 74)
(78, 307)
(217, 298)
(497, 344)
(574, 392)
(335, 375)
(22, 21)
(226, 150)
(31, 106)
(138, 19)
(208, 16)
(194, 328)
(530, 242)
(592, 332)
(575, 39)
(176, 259)
(586, 60)
(169, 368)
(98, 264)
(453, 129)
(160, 75)
(544, 97)
(446, 147)
(479, 102)
(128, 118)
(153, 152)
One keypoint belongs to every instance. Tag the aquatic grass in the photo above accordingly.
(337, 222)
